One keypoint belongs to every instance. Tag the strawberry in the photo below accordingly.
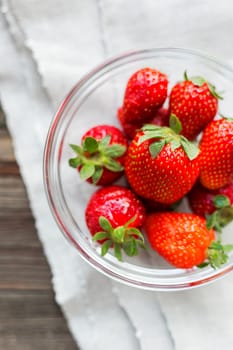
(152, 206)
(129, 129)
(202, 201)
(215, 205)
(100, 158)
(161, 118)
(160, 164)
(195, 103)
(113, 216)
(217, 154)
(184, 240)
(145, 93)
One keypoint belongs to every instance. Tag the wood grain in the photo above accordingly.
(29, 317)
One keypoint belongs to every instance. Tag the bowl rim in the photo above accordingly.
(97, 261)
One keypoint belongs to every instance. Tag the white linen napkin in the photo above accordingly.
(46, 47)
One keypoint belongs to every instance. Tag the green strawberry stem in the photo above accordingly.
(222, 216)
(168, 135)
(199, 81)
(120, 238)
(217, 254)
(93, 156)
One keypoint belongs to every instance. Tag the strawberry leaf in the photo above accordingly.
(113, 165)
(97, 174)
(175, 124)
(216, 255)
(175, 144)
(168, 135)
(199, 81)
(140, 243)
(221, 201)
(196, 80)
(190, 148)
(160, 132)
(130, 221)
(75, 162)
(203, 264)
(77, 149)
(130, 247)
(105, 247)
(86, 171)
(105, 141)
(90, 144)
(121, 237)
(118, 234)
(228, 248)
(214, 92)
(117, 251)
(115, 150)
(211, 221)
(156, 147)
(100, 235)
(148, 127)
(93, 156)
(225, 215)
(220, 218)
(105, 224)
(135, 232)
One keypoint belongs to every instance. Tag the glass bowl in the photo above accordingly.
(94, 100)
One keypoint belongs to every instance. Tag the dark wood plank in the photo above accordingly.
(30, 319)
(8, 168)
(40, 326)
(23, 268)
(12, 194)
(11, 304)
(19, 231)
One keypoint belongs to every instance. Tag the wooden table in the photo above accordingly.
(29, 316)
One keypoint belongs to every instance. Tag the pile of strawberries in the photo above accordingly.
(165, 154)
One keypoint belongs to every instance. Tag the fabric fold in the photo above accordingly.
(80, 291)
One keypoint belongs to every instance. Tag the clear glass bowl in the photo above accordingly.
(94, 100)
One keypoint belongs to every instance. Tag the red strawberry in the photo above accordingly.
(195, 103)
(184, 240)
(160, 164)
(217, 154)
(160, 118)
(216, 205)
(129, 129)
(152, 206)
(202, 200)
(145, 93)
(100, 158)
(113, 216)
